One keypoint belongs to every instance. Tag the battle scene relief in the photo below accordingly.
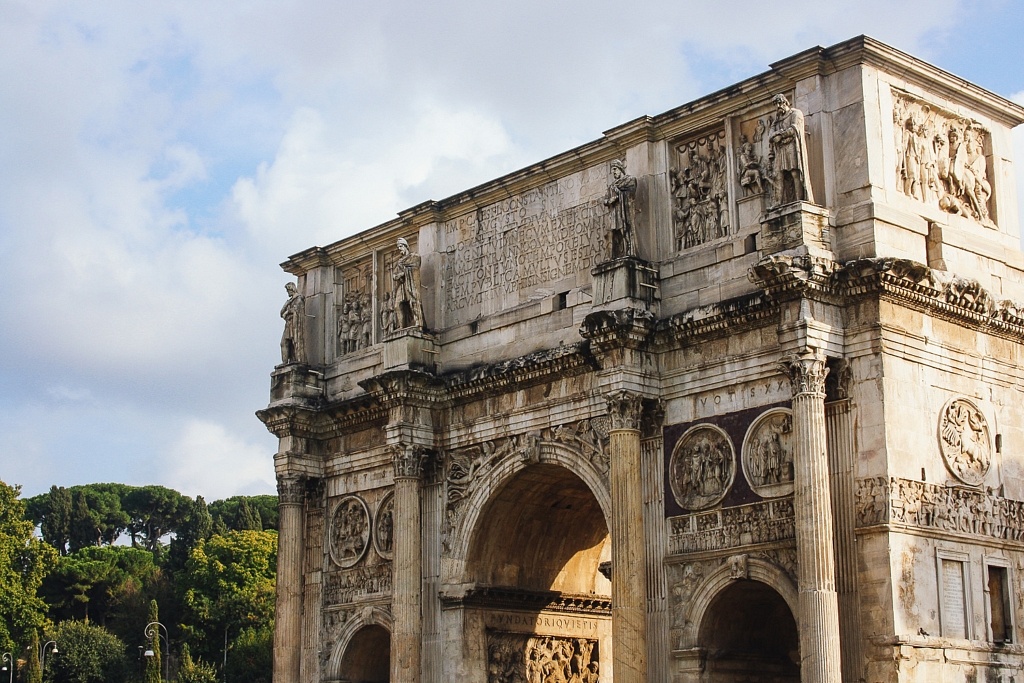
(700, 197)
(523, 658)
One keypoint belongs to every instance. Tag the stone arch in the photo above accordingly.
(363, 622)
(549, 453)
(711, 587)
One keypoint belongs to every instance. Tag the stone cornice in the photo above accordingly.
(406, 387)
(517, 599)
(629, 327)
(534, 368)
(785, 277)
(284, 421)
(727, 317)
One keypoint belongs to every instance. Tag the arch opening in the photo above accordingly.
(749, 633)
(543, 530)
(367, 657)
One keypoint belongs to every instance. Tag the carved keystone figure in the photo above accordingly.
(788, 155)
(293, 347)
(406, 276)
(621, 193)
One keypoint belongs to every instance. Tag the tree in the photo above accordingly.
(229, 583)
(52, 513)
(227, 513)
(248, 518)
(196, 525)
(252, 654)
(195, 671)
(24, 562)
(96, 515)
(154, 512)
(153, 672)
(88, 654)
(33, 671)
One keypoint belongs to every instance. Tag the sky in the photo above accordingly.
(160, 160)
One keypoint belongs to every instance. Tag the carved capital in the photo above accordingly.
(807, 371)
(624, 409)
(291, 490)
(407, 460)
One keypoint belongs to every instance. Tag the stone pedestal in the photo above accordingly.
(410, 349)
(627, 281)
(801, 226)
(629, 576)
(290, 545)
(407, 577)
(818, 603)
(295, 383)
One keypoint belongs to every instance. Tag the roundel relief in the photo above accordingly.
(384, 527)
(702, 467)
(350, 531)
(768, 454)
(964, 441)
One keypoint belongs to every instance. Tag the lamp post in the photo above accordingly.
(8, 661)
(153, 631)
(42, 653)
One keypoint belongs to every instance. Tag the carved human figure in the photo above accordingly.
(620, 199)
(388, 324)
(751, 175)
(293, 346)
(345, 329)
(406, 278)
(788, 154)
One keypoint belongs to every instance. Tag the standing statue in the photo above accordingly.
(406, 276)
(788, 155)
(293, 341)
(621, 193)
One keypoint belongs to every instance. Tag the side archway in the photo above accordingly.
(363, 650)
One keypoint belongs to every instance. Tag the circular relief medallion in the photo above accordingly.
(768, 454)
(350, 531)
(964, 441)
(384, 527)
(702, 467)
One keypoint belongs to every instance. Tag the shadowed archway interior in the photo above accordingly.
(542, 531)
(368, 656)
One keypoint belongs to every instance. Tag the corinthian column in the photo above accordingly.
(629, 577)
(406, 641)
(290, 542)
(818, 602)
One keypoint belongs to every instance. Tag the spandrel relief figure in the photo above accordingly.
(940, 159)
(293, 345)
(699, 186)
(787, 156)
(701, 468)
(406, 292)
(620, 200)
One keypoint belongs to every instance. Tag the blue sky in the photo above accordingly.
(161, 160)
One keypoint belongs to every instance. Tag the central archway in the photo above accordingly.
(749, 633)
(541, 602)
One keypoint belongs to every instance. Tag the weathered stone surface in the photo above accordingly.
(730, 394)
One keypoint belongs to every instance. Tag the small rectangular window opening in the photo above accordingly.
(999, 605)
(561, 300)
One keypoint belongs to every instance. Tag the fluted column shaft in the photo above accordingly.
(290, 542)
(818, 601)
(629, 576)
(407, 638)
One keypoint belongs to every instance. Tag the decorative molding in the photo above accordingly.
(533, 601)
(764, 522)
(291, 490)
(807, 372)
(408, 460)
(625, 409)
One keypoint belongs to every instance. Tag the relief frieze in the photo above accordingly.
(940, 158)
(355, 314)
(522, 658)
(892, 500)
(347, 586)
(762, 522)
(700, 199)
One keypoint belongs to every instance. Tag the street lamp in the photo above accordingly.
(42, 653)
(153, 631)
(8, 660)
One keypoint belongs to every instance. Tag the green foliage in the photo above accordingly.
(251, 656)
(32, 672)
(52, 512)
(154, 512)
(88, 654)
(24, 562)
(154, 663)
(228, 514)
(96, 515)
(196, 524)
(195, 671)
(229, 583)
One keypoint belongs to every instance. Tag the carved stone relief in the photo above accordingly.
(350, 531)
(763, 522)
(333, 623)
(787, 155)
(620, 200)
(403, 308)
(523, 658)
(932, 506)
(702, 467)
(365, 581)
(293, 339)
(384, 527)
(700, 199)
(940, 158)
(768, 454)
(355, 315)
(964, 441)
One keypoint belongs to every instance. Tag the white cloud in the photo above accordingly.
(207, 460)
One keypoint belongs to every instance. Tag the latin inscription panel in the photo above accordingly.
(518, 249)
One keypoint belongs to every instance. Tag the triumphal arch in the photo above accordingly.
(731, 394)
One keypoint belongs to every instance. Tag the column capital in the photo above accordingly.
(806, 370)
(291, 489)
(407, 460)
(625, 409)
